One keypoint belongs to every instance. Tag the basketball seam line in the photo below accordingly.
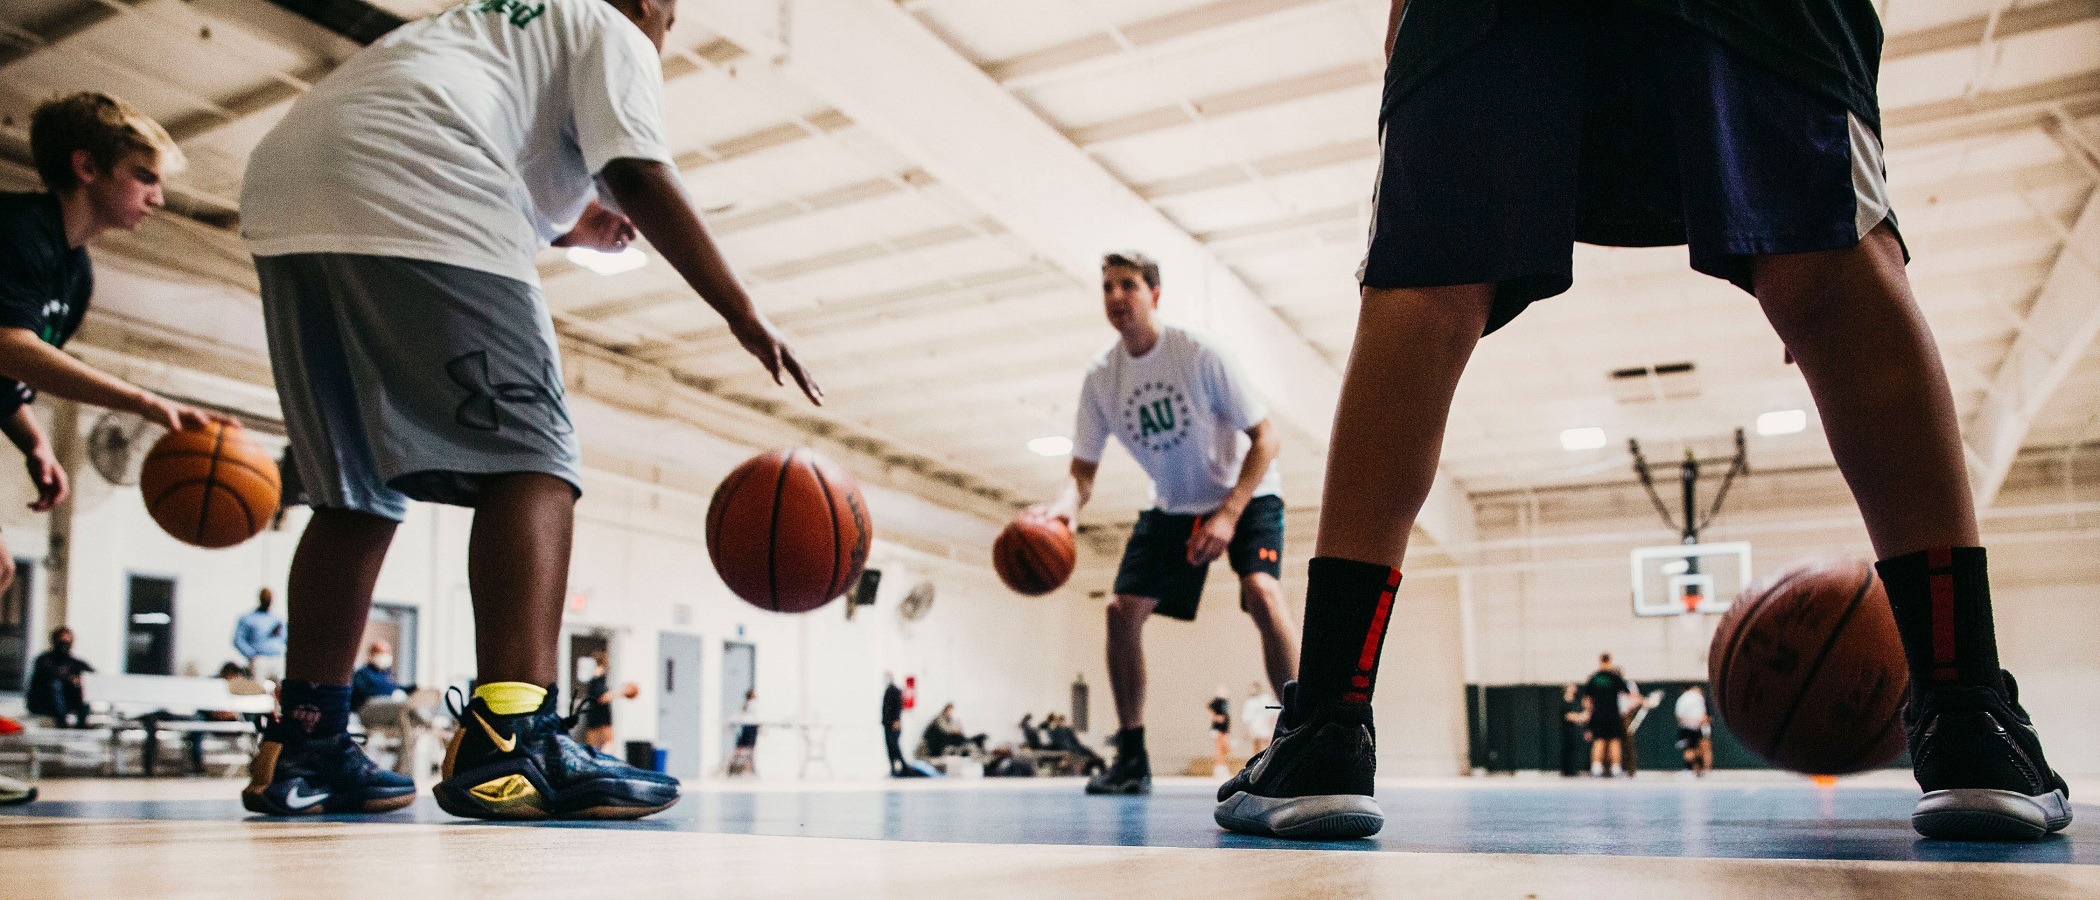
(177, 454)
(726, 493)
(773, 534)
(211, 480)
(1735, 639)
(1808, 679)
(832, 514)
(1032, 565)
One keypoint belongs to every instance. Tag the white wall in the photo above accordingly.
(640, 559)
(1543, 613)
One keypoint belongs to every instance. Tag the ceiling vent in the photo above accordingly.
(1662, 381)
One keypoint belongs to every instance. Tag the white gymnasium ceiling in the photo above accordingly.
(929, 251)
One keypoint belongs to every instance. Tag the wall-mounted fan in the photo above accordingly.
(917, 602)
(115, 445)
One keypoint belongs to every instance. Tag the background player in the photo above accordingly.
(1182, 408)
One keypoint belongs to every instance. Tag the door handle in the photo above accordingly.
(670, 679)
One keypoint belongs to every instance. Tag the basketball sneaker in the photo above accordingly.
(1978, 758)
(1313, 782)
(15, 793)
(1131, 773)
(295, 774)
(526, 767)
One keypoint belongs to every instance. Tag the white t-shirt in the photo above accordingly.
(471, 137)
(1629, 700)
(1260, 719)
(1691, 710)
(1182, 410)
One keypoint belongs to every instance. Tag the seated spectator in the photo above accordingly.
(54, 682)
(944, 734)
(1031, 735)
(1064, 739)
(375, 679)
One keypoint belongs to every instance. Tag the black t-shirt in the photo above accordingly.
(1831, 47)
(591, 706)
(1221, 712)
(44, 284)
(1604, 690)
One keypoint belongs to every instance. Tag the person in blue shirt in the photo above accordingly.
(259, 638)
(375, 679)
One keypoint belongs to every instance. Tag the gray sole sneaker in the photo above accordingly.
(1979, 814)
(1330, 817)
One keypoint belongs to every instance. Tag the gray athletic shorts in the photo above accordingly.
(404, 380)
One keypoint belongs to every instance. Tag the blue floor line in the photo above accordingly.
(1762, 822)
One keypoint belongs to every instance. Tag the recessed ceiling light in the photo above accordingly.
(1589, 438)
(1782, 421)
(1053, 445)
(604, 263)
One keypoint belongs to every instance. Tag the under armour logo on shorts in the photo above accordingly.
(481, 408)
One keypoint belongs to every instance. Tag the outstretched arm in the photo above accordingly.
(651, 195)
(29, 360)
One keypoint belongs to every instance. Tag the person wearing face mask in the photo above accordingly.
(54, 682)
(375, 679)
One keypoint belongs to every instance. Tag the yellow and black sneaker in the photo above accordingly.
(525, 767)
(296, 774)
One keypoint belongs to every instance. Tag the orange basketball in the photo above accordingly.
(210, 486)
(1035, 554)
(630, 690)
(1808, 671)
(788, 531)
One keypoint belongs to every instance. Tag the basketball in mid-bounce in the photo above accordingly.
(1035, 554)
(788, 530)
(211, 486)
(1808, 672)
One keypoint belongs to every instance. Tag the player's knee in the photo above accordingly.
(7, 572)
(1127, 612)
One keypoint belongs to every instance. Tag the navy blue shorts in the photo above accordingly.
(1156, 559)
(1607, 124)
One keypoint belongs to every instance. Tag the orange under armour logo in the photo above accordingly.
(1267, 555)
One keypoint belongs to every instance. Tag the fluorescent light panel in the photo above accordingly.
(1588, 438)
(1051, 445)
(1782, 421)
(602, 263)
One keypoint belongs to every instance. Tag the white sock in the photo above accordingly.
(1616, 771)
(1596, 768)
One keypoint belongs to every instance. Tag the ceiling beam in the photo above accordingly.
(1967, 33)
(21, 41)
(2058, 331)
(1142, 34)
(885, 70)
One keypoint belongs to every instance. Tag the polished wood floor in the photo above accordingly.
(49, 857)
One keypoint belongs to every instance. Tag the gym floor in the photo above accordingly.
(1760, 836)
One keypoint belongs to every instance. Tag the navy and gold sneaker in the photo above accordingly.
(1313, 782)
(526, 767)
(296, 774)
(1979, 760)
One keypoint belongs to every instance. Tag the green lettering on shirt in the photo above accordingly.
(519, 13)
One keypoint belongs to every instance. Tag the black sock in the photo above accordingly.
(1347, 606)
(306, 709)
(1130, 742)
(1942, 599)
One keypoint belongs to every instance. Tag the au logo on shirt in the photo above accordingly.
(1156, 416)
(55, 311)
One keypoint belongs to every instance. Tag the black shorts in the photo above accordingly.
(1687, 738)
(1609, 124)
(1607, 726)
(1156, 560)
